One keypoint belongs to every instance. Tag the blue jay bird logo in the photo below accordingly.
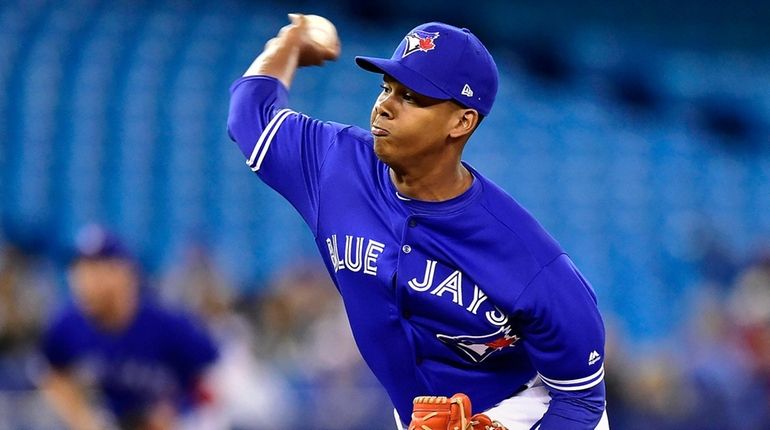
(478, 348)
(419, 40)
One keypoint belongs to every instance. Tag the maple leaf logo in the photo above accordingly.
(419, 40)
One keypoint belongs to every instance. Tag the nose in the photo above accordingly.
(383, 106)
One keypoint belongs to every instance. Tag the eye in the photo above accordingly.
(385, 88)
(409, 97)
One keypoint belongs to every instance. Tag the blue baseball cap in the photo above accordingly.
(94, 242)
(443, 62)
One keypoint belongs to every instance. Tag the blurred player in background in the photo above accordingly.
(147, 364)
(449, 285)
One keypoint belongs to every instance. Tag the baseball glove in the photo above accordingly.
(441, 413)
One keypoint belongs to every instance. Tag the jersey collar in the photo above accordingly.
(454, 204)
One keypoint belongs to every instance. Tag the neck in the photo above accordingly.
(435, 185)
(121, 315)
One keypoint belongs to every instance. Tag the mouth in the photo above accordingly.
(379, 132)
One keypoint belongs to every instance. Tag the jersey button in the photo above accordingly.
(407, 249)
(412, 223)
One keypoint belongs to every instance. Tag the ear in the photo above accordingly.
(467, 119)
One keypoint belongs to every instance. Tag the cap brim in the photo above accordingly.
(406, 76)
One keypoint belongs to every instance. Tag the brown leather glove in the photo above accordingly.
(441, 413)
(483, 422)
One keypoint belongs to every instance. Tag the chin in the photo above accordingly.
(380, 151)
(386, 154)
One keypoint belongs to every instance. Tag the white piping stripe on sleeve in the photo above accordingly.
(262, 136)
(270, 140)
(577, 387)
(573, 381)
(599, 379)
(265, 132)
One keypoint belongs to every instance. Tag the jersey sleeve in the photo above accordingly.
(285, 148)
(564, 338)
(58, 343)
(192, 348)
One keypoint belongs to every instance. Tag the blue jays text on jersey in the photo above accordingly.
(465, 295)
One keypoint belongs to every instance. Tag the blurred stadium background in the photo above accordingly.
(637, 132)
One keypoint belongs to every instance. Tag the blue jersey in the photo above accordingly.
(465, 295)
(159, 356)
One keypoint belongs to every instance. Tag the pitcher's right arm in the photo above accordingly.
(286, 149)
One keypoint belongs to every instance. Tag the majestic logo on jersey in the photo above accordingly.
(419, 41)
(478, 348)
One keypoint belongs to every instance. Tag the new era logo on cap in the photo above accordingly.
(467, 91)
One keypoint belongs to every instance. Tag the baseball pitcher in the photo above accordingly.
(467, 311)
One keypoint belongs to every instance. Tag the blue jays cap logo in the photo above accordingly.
(478, 348)
(419, 40)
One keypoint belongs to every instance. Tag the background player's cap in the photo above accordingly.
(94, 242)
(444, 62)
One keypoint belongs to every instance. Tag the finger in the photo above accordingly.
(285, 29)
(333, 53)
(296, 18)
